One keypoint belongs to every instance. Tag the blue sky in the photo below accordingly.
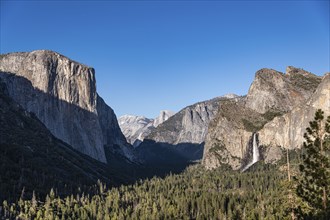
(155, 55)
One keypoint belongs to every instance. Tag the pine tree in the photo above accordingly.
(34, 204)
(290, 186)
(314, 183)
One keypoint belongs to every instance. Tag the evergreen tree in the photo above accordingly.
(314, 183)
(34, 204)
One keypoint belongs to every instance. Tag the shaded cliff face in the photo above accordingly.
(270, 97)
(62, 94)
(33, 159)
(136, 128)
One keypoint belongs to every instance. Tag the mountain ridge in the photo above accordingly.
(62, 94)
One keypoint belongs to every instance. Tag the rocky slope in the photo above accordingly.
(273, 90)
(188, 125)
(62, 94)
(33, 159)
(182, 136)
(136, 128)
(271, 95)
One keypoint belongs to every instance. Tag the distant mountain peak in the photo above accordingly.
(230, 96)
(291, 71)
(163, 116)
(136, 128)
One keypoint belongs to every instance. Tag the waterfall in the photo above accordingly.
(255, 157)
(255, 152)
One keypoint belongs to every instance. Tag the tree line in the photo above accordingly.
(265, 191)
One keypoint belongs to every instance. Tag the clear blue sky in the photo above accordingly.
(150, 56)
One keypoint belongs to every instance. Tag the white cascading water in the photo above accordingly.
(255, 151)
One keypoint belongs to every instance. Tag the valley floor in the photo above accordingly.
(194, 194)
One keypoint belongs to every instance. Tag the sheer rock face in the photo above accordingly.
(275, 107)
(273, 90)
(287, 131)
(62, 94)
(136, 128)
(187, 126)
(227, 138)
(181, 138)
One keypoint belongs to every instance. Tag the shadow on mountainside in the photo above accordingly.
(84, 130)
(163, 158)
(33, 159)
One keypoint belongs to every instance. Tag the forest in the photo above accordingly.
(297, 187)
(194, 194)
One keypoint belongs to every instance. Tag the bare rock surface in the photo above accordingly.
(273, 90)
(62, 94)
(287, 131)
(278, 107)
(180, 139)
(190, 125)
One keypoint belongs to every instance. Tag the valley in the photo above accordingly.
(65, 155)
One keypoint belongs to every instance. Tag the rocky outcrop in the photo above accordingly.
(182, 136)
(264, 110)
(273, 90)
(62, 94)
(230, 133)
(287, 131)
(188, 125)
(136, 128)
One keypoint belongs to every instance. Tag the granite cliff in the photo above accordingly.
(276, 91)
(189, 125)
(33, 160)
(182, 136)
(287, 131)
(62, 94)
(272, 97)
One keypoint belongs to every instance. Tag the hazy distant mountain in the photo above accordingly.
(230, 96)
(62, 94)
(136, 128)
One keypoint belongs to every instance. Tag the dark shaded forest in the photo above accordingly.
(194, 194)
